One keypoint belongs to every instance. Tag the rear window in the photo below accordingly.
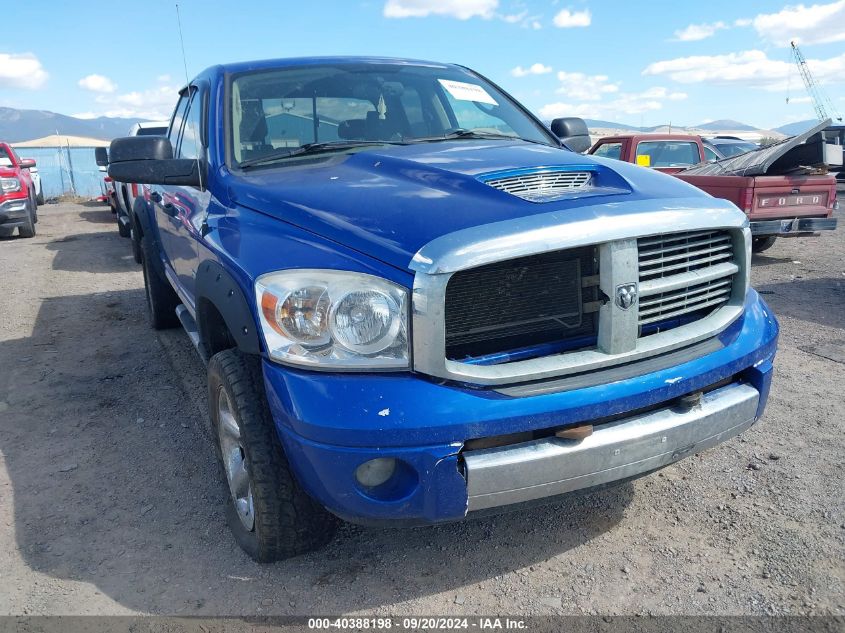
(667, 153)
(734, 149)
(5, 159)
(152, 131)
(609, 150)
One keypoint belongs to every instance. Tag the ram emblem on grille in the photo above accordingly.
(626, 295)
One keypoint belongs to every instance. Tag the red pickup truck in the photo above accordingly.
(788, 204)
(17, 195)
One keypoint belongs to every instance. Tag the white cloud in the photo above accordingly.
(155, 103)
(21, 70)
(568, 19)
(461, 9)
(515, 18)
(695, 32)
(752, 69)
(582, 87)
(623, 104)
(163, 79)
(533, 69)
(815, 24)
(97, 83)
(743, 22)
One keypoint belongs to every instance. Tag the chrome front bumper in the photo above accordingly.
(793, 226)
(616, 450)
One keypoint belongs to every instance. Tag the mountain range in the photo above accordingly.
(24, 125)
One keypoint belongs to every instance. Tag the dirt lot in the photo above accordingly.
(110, 501)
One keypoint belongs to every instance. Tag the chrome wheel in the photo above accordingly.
(234, 461)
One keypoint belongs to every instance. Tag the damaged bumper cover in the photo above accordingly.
(330, 424)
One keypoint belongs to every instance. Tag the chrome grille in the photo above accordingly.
(543, 186)
(665, 255)
(684, 273)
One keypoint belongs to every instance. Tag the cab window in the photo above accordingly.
(176, 122)
(609, 150)
(668, 153)
(190, 144)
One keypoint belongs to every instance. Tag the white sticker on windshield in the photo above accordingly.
(467, 92)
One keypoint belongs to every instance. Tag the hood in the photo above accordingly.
(390, 201)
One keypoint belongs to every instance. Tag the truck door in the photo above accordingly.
(180, 210)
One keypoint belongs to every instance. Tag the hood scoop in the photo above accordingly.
(548, 184)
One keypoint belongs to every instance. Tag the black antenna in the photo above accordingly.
(190, 94)
(182, 43)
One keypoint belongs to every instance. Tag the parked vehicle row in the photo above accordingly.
(18, 194)
(416, 303)
(779, 198)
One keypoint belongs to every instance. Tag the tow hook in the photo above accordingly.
(691, 400)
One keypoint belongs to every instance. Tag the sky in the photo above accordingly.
(636, 62)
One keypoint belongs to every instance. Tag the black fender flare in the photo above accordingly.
(217, 286)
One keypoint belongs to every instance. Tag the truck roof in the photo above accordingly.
(651, 137)
(266, 64)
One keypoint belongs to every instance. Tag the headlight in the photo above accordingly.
(10, 184)
(333, 319)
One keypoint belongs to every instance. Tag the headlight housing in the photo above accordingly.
(333, 319)
(8, 185)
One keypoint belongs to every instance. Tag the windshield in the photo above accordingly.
(349, 103)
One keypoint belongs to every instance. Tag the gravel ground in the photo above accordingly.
(111, 502)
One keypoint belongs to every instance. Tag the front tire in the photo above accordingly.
(161, 298)
(269, 514)
(760, 244)
(27, 229)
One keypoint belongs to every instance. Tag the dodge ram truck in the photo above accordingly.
(777, 204)
(417, 304)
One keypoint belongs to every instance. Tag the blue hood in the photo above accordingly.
(390, 201)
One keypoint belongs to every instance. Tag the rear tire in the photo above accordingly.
(270, 515)
(161, 298)
(122, 229)
(135, 236)
(760, 244)
(6, 231)
(40, 198)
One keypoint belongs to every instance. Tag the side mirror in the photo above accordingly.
(573, 132)
(27, 163)
(149, 160)
(101, 156)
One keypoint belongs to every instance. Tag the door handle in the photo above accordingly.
(155, 196)
(169, 209)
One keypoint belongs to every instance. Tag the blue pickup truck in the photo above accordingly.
(416, 303)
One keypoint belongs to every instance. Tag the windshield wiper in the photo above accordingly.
(309, 148)
(470, 134)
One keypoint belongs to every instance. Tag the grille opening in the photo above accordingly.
(550, 298)
(673, 254)
(664, 257)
